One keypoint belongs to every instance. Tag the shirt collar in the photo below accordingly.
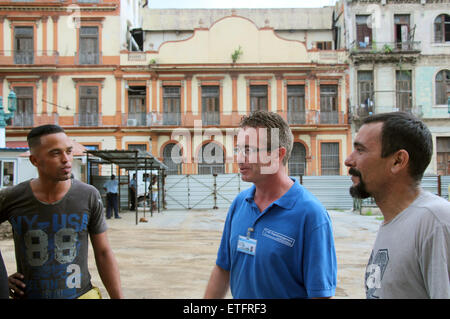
(286, 201)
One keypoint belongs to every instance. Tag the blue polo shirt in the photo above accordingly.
(294, 253)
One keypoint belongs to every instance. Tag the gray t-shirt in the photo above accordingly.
(411, 254)
(51, 240)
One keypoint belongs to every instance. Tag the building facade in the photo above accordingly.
(176, 82)
(202, 70)
(399, 60)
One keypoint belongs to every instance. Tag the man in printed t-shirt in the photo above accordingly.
(411, 254)
(51, 217)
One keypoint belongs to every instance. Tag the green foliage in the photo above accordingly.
(236, 54)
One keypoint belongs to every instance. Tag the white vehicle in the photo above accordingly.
(144, 181)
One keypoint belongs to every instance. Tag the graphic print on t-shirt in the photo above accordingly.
(375, 271)
(50, 248)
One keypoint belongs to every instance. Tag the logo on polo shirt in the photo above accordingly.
(283, 239)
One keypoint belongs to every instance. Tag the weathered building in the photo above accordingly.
(399, 60)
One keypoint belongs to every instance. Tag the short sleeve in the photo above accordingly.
(97, 222)
(320, 264)
(223, 255)
(435, 262)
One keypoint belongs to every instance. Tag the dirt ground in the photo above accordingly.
(172, 255)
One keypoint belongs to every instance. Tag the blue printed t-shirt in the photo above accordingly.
(51, 240)
(294, 256)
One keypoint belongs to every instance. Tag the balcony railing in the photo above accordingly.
(155, 119)
(89, 57)
(161, 120)
(21, 57)
(360, 113)
(87, 119)
(385, 47)
(30, 120)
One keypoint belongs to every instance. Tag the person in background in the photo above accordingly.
(132, 192)
(154, 191)
(111, 188)
(411, 254)
(52, 217)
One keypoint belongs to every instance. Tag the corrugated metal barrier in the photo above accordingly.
(218, 191)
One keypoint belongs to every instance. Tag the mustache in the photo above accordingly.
(353, 171)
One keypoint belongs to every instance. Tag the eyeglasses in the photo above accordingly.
(248, 150)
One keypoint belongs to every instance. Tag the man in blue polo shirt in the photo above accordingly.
(277, 240)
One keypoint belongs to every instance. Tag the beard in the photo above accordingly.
(359, 190)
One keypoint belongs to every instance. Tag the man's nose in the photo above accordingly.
(349, 162)
(240, 157)
(66, 157)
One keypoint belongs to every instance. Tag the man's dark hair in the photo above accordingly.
(271, 120)
(34, 137)
(403, 130)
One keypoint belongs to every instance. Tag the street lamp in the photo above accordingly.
(12, 101)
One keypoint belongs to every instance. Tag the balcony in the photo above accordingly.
(30, 120)
(407, 51)
(28, 57)
(87, 119)
(359, 113)
(232, 119)
(87, 58)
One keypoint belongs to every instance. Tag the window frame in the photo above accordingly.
(169, 99)
(400, 93)
(329, 104)
(446, 92)
(87, 58)
(256, 98)
(361, 31)
(24, 118)
(294, 165)
(210, 104)
(442, 37)
(13, 181)
(337, 167)
(296, 103)
(84, 119)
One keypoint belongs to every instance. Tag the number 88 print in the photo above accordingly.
(36, 243)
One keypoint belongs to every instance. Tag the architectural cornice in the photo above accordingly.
(55, 8)
(388, 2)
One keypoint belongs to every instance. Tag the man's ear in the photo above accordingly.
(281, 153)
(33, 160)
(400, 161)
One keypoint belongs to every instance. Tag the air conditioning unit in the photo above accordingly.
(131, 122)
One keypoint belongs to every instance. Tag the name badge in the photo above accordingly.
(246, 245)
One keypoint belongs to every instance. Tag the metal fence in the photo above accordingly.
(218, 191)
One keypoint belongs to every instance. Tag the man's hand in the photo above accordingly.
(16, 285)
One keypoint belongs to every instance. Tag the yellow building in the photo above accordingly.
(179, 83)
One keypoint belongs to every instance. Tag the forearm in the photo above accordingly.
(108, 270)
(218, 284)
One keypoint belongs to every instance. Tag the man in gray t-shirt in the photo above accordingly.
(411, 254)
(51, 240)
(410, 257)
(52, 217)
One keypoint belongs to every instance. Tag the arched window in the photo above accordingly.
(442, 86)
(442, 28)
(172, 158)
(297, 161)
(211, 159)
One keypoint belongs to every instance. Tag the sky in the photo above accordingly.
(159, 4)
